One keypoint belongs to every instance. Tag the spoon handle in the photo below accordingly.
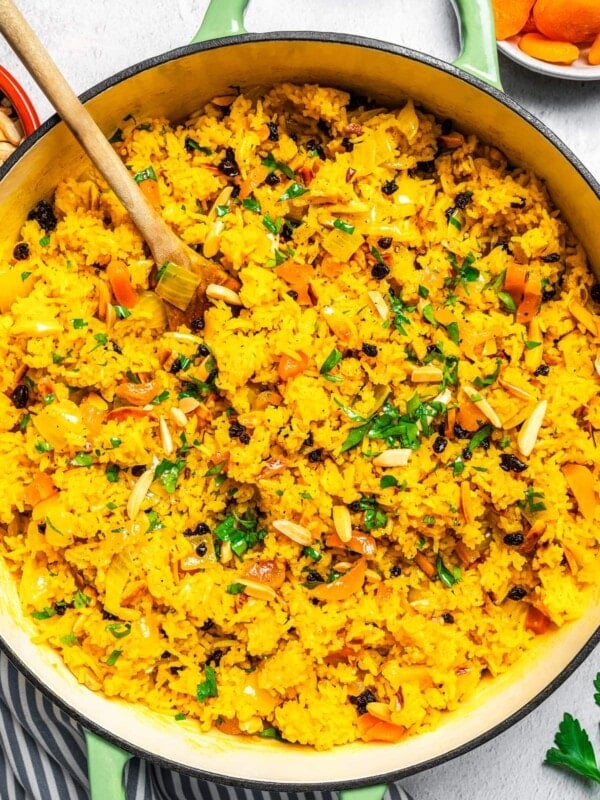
(163, 242)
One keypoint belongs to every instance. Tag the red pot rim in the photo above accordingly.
(20, 101)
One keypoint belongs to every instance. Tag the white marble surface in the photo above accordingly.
(92, 39)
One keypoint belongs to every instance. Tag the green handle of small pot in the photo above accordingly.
(222, 18)
(479, 52)
(366, 793)
(106, 765)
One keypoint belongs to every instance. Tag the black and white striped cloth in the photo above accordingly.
(42, 757)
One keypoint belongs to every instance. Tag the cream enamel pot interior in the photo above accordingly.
(174, 85)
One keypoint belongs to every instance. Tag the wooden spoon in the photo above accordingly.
(164, 243)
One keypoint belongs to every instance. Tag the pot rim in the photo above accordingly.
(323, 785)
(317, 37)
(509, 103)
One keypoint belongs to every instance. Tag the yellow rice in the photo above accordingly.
(404, 228)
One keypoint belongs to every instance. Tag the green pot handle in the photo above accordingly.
(478, 56)
(479, 53)
(222, 18)
(366, 793)
(106, 766)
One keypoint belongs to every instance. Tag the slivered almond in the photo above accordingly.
(585, 317)
(139, 492)
(381, 307)
(251, 420)
(214, 291)
(342, 523)
(516, 391)
(342, 566)
(178, 417)
(531, 427)
(226, 553)
(165, 435)
(260, 591)
(425, 564)
(428, 373)
(371, 576)
(395, 457)
(534, 355)
(188, 404)
(597, 364)
(466, 502)
(222, 199)
(110, 317)
(483, 405)
(211, 246)
(181, 336)
(379, 711)
(297, 533)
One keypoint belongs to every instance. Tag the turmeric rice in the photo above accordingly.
(357, 487)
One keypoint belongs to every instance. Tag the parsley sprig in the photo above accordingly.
(573, 750)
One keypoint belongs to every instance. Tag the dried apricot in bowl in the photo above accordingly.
(510, 16)
(568, 20)
(556, 52)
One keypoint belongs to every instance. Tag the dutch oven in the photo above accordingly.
(174, 85)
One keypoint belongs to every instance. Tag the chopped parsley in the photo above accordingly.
(113, 657)
(447, 577)
(343, 226)
(208, 687)
(242, 533)
(119, 629)
(294, 190)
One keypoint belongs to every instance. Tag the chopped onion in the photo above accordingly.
(151, 309)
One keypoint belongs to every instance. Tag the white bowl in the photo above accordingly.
(579, 70)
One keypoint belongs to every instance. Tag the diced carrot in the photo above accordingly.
(568, 20)
(151, 190)
(593, 56)
(331, 267)
(532, 297)
(360, 542)
(40, 489)
(514, 281)
(298, 277)
(450, 423)
(120, 283)
(580, 481)
(267, 571)
(469, 416)
(345, 586)
(228, 726)
(554, 51)
(510, 16)
(137, 394)
(291, 367)
(536, 621)
(371, 729)
(307, 174)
